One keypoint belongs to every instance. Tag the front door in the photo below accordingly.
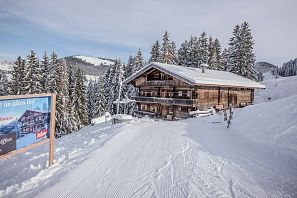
(234, 100)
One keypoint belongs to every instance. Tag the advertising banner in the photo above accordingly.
(24, 120)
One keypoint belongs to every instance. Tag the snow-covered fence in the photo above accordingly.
(121, 118)
(105, 118)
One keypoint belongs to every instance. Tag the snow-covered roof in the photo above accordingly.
(194, 76)
(32, 110)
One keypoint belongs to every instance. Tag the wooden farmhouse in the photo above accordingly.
(33, 121)
(173, 91)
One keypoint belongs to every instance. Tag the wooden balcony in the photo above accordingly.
(166, 101)
(160, 83)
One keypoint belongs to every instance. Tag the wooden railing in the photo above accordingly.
(160, 83)
(167, 101)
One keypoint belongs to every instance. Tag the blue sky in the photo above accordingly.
(116, 29)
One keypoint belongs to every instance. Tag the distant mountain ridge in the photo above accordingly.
(92, 66)
(96, 61)
(264, 67)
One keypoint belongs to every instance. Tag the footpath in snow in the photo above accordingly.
(198, 157)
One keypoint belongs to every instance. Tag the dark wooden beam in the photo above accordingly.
(219, 95)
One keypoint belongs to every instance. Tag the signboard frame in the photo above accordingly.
(52, 126)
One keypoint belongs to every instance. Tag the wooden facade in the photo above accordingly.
(163, 95)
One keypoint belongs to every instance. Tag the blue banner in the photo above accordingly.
(23, 121)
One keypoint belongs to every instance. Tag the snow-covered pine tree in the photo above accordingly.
(138, 61)
(288, 69)
(218, 55)
(18, 75)
(167, 54)
(233, 64)
(225, 59)
(203, 49)
(248, 56)
(91, 100)
(81, 102)
(54, 64)
(182, 54)
(3, 84)
(33, 75)
(214, 61)
(193, 52)
(174, 52)
(241, 57)
(45, 71)
(129, 69)
(128, 91)
(155, 52)
(75, 123)
(109, 90)
(211, 58)
(62, 116)
(99, 102)
(117, 82)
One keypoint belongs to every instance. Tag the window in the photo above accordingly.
(143, 107)
(180, 93)
(184, 109)
(206, 94)
(189, 93)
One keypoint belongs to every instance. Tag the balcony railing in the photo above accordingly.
(167, 101)
(160, 83)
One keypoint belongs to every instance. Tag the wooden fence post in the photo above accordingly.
(52, 127)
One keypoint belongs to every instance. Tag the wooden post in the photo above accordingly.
(52, 127)
(219, 95)
(228, 97)
(252, 96)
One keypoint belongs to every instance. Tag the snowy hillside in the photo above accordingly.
(198, 157)
(93, 78)
(95, 61)
(6, 65)
(264, 67)
(89, 65)
(277, 88)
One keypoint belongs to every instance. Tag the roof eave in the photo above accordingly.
(152, 65)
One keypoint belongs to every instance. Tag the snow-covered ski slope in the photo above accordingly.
(199, 157)
(95, 61)
(277, 88)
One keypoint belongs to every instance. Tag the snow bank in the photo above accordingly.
(210, 111)
(25, 175)
(277, 88)
(122, 117)
(260, 146)
(105, 118)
